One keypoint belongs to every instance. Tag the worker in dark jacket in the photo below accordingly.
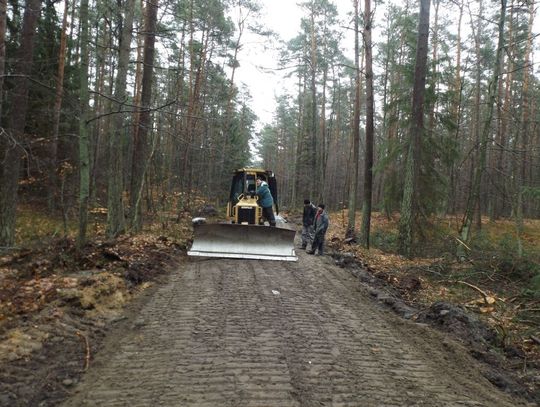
(308, 217)
(320, 225)
(265, 201)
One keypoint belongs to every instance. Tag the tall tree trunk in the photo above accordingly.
(393, 116)
(434, 65)
(195, 106)
(299, 146)
(323, 139)
(465, 230)
(385, 127)
(11, 147)
(474, 139)
(187, 118)
(4, 144)
(128, 176)
(84, 154)
(228, 152)
(390, 116)
(351, 226)
(140, 153)
(115, 206)
(105, 68)
(314, 180)
(501, 165)
(178, 124)
(522, 171)
(370, 129)
(409, 203)
(52, 160)
(3, 22)
(456, 114)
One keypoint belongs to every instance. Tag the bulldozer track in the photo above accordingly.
(262, 333)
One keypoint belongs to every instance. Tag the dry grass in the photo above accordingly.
(497, 294)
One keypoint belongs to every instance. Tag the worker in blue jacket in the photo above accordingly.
(320, 225)
(308, 217)
(265, 201)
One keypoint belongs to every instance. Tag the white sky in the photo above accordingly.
(283, 17)
(256, 62)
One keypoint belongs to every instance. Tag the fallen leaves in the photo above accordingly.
(100, 278)
(58, 285)
(423, 281)
(18, 343)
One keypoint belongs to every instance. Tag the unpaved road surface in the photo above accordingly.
(260, 333)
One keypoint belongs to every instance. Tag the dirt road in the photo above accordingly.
(260, 333)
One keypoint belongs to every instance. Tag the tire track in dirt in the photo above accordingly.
(260, 333)
(344, 354)
(371, 359)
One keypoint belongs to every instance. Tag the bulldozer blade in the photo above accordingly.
(228, 240)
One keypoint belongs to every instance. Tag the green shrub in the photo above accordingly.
(534, 286)
(384, 240)
(500, 257)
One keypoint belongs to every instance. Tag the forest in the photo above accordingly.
(415, 122)
(132, 108)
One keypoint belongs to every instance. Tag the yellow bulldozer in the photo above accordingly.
(244, 235)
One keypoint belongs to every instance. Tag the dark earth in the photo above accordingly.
(319, 332)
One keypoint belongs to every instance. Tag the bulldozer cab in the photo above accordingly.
(244, 235)
(244, 189)
(243, 184)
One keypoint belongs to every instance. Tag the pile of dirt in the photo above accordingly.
(58, 303)
(456, 320)
(484, 344)
(506, 366)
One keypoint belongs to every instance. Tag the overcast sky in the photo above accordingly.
(257, 64)
(283, 17)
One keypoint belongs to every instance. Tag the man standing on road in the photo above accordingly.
(265, 201)
(308, 217)
(320, 226)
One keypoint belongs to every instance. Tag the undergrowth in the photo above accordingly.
(493, 281)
